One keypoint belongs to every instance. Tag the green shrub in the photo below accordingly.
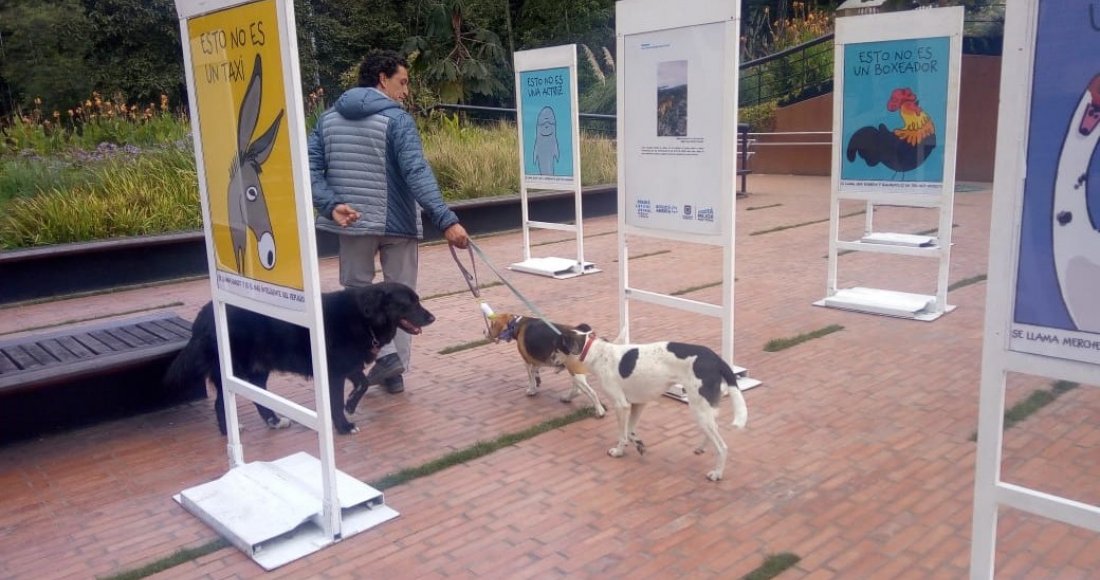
(114, 191)
(91, 123)
(155, 192)
(761, 118)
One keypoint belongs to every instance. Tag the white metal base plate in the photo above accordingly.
(912, 240)
(886, 303)
(560, 268)
(743, 382)
(272, 510)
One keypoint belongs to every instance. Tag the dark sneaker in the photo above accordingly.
(394, 385)
(383, 369)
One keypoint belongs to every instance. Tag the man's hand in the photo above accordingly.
(343, 215)
(456, 235)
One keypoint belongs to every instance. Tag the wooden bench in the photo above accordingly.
(78, 374)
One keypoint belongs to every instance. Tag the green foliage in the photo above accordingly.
(799, 75)
(135, 48)
(778, 344)
(337, 34)
(89, 124)
(171, 561)
(456, 58)
(55, 190)
(761, 118)
(480, 161)
(1033, 403)
(553, 22)
(966, 282)
(44, 46)
(128, 194)
(599, 95)
(773, 566)
(28, 175)
(478, 449)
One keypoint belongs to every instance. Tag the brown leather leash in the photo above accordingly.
(471, 281)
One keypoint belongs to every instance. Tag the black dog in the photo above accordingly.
(358, 321)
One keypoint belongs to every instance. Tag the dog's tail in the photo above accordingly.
(194, 363)
(740, 408)
(621, 339)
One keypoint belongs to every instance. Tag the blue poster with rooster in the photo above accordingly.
(1057, 309)
(894, 110)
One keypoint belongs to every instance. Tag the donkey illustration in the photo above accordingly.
(247, 205)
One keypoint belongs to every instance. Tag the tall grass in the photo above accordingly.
(155, 192)
(109, 191)
(91, 123)
(478, 161)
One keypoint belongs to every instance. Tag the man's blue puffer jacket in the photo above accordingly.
(365, 151)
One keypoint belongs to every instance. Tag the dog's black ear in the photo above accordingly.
(570, 342)
(371, 301)
(582, 327)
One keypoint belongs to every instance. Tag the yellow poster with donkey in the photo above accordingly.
(241, 106)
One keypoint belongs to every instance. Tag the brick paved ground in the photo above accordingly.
(857, 456)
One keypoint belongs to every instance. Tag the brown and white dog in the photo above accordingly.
(633, 375)
(540, 346)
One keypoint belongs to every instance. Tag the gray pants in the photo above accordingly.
(400, 263)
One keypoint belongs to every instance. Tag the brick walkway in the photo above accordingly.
(857, 456)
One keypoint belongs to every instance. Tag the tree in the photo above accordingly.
(44, 46)
(454, 57)
(552, 22)
(136, 49)
(339, 33)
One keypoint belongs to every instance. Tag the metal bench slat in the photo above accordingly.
(70, 352)
(6, 364)
(58, 350)
(159, 331)
(22, 358)
(93, 344)
(144, 336)
(76, 347)
(109, 340)
(125, 337)
(183, 325)
(40, 354)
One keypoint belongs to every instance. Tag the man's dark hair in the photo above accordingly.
(379, 62)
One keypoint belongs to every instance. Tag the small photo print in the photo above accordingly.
(672, 100)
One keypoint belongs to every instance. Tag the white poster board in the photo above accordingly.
(243, 83)
(1041, 244)
(676, 115)
(677, 133)
(895, 128)
(549, 148)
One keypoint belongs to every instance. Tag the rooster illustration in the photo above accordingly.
(902, 149)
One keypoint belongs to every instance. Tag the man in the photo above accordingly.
(370, 179)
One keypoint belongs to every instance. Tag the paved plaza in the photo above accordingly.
(858, 456)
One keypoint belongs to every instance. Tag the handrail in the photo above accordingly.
(510, 110)
(788, 51)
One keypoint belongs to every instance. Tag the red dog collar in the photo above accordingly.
(587, 343)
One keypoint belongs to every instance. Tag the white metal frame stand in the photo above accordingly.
(281, 510)
(1004, 346)
(530, 62)
(649, 20)
(876, 28)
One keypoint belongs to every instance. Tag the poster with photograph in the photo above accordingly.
(672, 98)
(894, 114)
(547, 124)
(673, 135)
(1056, 310)
(246, 155)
